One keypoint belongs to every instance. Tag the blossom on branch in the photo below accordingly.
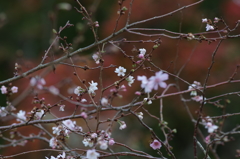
(79, 90)
(92, 154)
(53, 143)
(130, 80)
(38, 82)
(122, 125)
(21, 116)
(92, 87)
(120, 71)
(153, 82)
(4, 90)
(96, 57)
(209, 27)
(14, 89)
(156, 144)
(142, 53)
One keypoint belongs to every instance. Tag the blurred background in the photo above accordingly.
(26, 32)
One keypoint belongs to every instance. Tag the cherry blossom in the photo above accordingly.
(209, 27)
(208, 123)
(38, 82)
(53, 142)
(211, 128)
(96, 57)
(83, 100)
(193, 88)
(79, 90)
(92, 154)
(21, 116)
(92, 87)
(4, 90)
(140, 115)
(2, 112)
(142, 51)
(204, 20)
(158, 80)
(39, 114)
(72, 125)
(84, 115)
(156, 144)
(111, 141)
(61, 108)
(122, 125)
(104, 101)
(14, 89)
(120, 71)
(130, 80)
(103, 144)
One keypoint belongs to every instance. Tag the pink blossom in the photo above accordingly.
(158, 80)
(207, 139)
(84, 115)
(111, 141)
(138, 93)
(153, 82)
(156, 144)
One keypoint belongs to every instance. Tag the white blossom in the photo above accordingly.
(204, 20)
(193, 87)
(96, 57)
(3, 112)
(120, 71)
(83, 100)
(104, 101)
(140, 115)
(142, 51)
(53, 143)
(87, 142)
(92, 154)
(62, 108)
(130, 80)
(209, 27)
(4, 90)
(122, 125)
(21, 116)
(92, 87)
(78, 90)
(103, 144)
(14, 89)
(39, 114)
(72, 125)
